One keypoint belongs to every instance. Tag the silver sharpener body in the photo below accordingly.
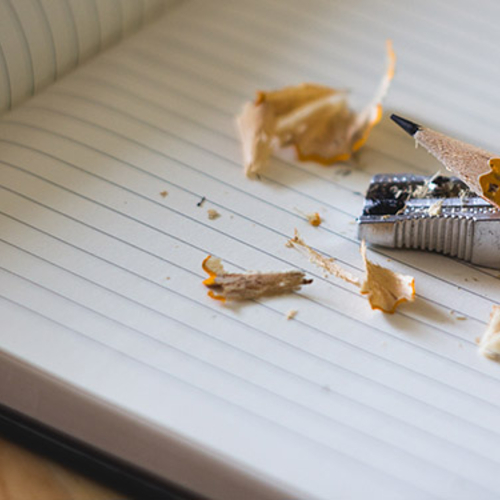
(438, 214)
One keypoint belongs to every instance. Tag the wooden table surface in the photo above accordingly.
(26, 476)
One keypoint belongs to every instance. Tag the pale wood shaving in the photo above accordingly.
(385, 289)
(244, 286)
(326, 263)
(291, 314)
(313, 118)
(489, 344)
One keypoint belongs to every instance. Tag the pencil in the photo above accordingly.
(478, 168)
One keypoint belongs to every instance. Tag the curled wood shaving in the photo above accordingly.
(243, 286)
(313, 118)
(326, 263)
(489, 344)
(386, 289)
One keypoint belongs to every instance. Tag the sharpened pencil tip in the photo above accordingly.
(406, 125)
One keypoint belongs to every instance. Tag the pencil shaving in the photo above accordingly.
(489, 344)
(314, 219)
(244, 286)
(315, 119)
(385, 289)
(326, 263)
(213, 214)
(490, 182)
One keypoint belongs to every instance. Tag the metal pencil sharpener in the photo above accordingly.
(438, 214)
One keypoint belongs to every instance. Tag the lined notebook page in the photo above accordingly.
(101, 275)
(41, 40)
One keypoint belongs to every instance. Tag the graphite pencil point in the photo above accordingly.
(407, 125)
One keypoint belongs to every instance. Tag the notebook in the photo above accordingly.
(107, 333)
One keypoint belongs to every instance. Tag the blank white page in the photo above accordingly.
(101, 274)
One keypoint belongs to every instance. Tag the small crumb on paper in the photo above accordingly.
(489, 343)
(200, 203)
(291, 314)
(244, 286)
(315, 119)
(458, 317)
(314, 219)
(436, 208)
(213, 214)
(386, 289)
(164, 194)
